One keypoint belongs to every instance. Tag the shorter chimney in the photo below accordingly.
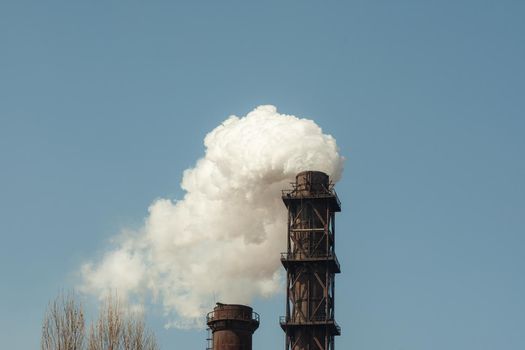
(232, 326)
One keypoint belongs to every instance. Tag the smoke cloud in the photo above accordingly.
(221, 242)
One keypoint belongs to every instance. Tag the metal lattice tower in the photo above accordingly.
(310, 263)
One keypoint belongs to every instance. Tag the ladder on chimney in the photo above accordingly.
(209, 339)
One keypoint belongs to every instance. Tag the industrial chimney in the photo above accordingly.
(232, 327)
(310, 263)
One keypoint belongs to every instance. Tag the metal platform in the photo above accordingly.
(289, 259)
(332, 326)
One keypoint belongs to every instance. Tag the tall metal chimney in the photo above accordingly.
(310, 263)
(232, 326)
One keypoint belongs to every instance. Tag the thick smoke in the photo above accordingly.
(222, 241)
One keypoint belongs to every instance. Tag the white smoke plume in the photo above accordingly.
(221, 242)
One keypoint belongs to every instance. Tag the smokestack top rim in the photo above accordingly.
(220, 305)
(317, 172)
(233, 312)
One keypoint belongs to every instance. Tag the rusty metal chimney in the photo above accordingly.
(232, 327)
(310, 263)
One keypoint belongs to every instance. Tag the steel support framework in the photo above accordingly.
(310, 263)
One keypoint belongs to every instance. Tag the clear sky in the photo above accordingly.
(103, 104)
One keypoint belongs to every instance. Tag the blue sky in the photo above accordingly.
(103, 104)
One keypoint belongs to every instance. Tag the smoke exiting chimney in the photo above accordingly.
(229, 220)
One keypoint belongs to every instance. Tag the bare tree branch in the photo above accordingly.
(63, 327)
(116, 328)
(120, 329)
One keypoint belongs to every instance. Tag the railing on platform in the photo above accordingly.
(233, 315)
(325, 193)
(302, 256)
(314, 320)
